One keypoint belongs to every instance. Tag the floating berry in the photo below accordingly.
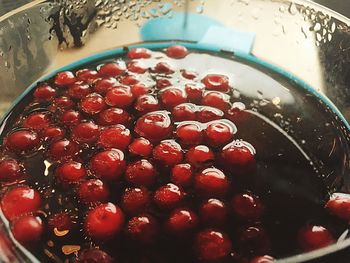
(213, 212)
(120, 97)
(200, 156)
(93, 190)
(168, 196)
(87, 75)
(182, 174)
(207, 114)
(85, 132)
(103, 85)
(190, 133)
(138, 90)
(94, 255)
(70, 172)
(216, 82)
(141, 147)
(184, 112)
(194, 92)
(44, 93)
(117, 137)
(70, 118)
(253, 240)
(129, 80)
(168, 152)
(172, 97)
(136, 67)
(60, 223)
(22, 141)
(162, 83)
(188, 74)
(111, 70)
(92, 104)
(247, 206)
(135, 200)
(65, 78)
(63, 149)
(141, 173)
(137, 53)
(164, 68)
(146, 103)
(63, 103)
(338, 206)
(181, 221)
(27, 230)
(53, 133)
(211, 182)
(219, 133)
(313, 237)
(143, 228)
(113, 116)
(37, 121)
(176, 52)
(10, 170)
(79, 90)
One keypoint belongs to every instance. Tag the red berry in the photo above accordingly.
(141, 173)
(216, 99)
(181, 221)
(176, 52)
(27, 230)
(154, 126)
(108, 165)
(188, 74)
(219, 133)
(63, 149)
(168, 196)
(138, 90)
(216, 82)
(313, 237)
(143, 229)
(93, 190)
(21, 141)
(70, 117)
(70, 172)
(211, 182)
(129, 80)
(87, 75)
(85, 132)
(44, 93)
(184, 112)
(182, 174)
(207, 114)
(162, 83)
(194, 92)
(263, 259)
(164, 68)
(103, 85)
(111, 70)
(172, 97)
(120, 97)
(338, 206)
(104, 221)
(168, 152)
(37, 121)
(78, 90)
(212, 245)
(190, 133)
(136, 67)
(94, 255)
(247, 206)
(213, 212)
(63, 103)
(146, 103)
(200, 156)
(253, 240)
(237, 113)
(20, 200)
(137, 53)
(115, 137)
(92, 104)
(10, 170)
(113, 116)
(53, 133)
(141, 147)
(65, 78)
(135, 200)
(60, 222)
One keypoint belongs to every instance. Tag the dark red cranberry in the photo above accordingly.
(253, 240)
(146, 103)
(213, 212)
(200, 156)
(181, 221)
(188, 74)
(79, 90)
(63, 149)
(207, 114)
(140, 52)
(135, 200)
(141, 147)
(113, 116)
(239, 157)
(20, 200)
(212, 245)
(184, 112)
(338, 206)
(216, 82)
(154, 126)
(10, 170)
(94, 255)
(70, 172)
(182, 174)
(63, 103)
(176, 52)
(313, 237)
(111, 70)
(129, 80)
(87, 75)
(169, 196)
(93, 190)
(262, 259)
(162, 83)
(44, 93)
(172, 97)
(194, 92)
(211, 182)
(70, 117)
(27, 230)
(92, 104)
(53, 133)
(65, 78)
(21, 141)
(103, 85)
(60, 223)
(190, 134)
(219, 133)
(104, 221)
(141, 173)
(115, 137)
(247, 206)
(136, 67)
(85, 132)
(108, 165)
(143, 228)
(138, 90)
(237, 113)
(120, 97)
(168, 152)
(163, 68)
(217, 100)
(37, 121)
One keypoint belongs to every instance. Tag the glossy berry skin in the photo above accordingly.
(216, 99)
(200, 156)
(135, 200)
(213, 212)
(136, 67)
(113, 116)
(182, 174)
(168, 196)
(146, 103)
(143, 229)
(190, 134)
(176, 52)
(137, 53)
(63, 103)
(162, 83)
(108, 165)
(212, 245)
(60, 222)
(171, 97)
(311, 237)
(70, 118)
(194, 92)
(44, 93)
(63, 149)
(92, 191)
(22, 141)
(86, 132)
(117, 137)
(237, 113)
(129, 80)
(211, 182)
(216, 82)
(105, 84)
(78, 90)
(181, 221)
(70, 172)
(87, 75)
(20, 200)
(37, 121)
(64, 78)
(138, 90)
(92, 104)
(168, 152)
(207, 114)
(94, 255)
(120, 97)
(10, 170)
(163, 68)
(141, 173)
(104, 221)
(53, 133)
(253, 240)
(339, 207)
(262, 259)
(141, 147)
(219, 133)
(27, 229)
(184, 112)
(111, 70)
(247, 206)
